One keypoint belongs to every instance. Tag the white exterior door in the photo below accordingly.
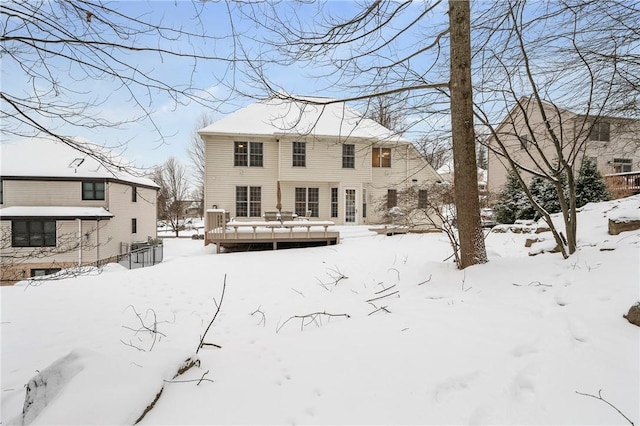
(350, 210)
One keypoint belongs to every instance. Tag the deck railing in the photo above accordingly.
(221, 232)
(624, 183)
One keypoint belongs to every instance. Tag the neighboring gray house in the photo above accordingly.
(326, 159)
(613, 142)
(61, 208)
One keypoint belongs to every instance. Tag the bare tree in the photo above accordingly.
(196, 153)
(472, 249)
(437, 151)
(388, 111)
(372, 51)
(173, 193)
(541, 62)
(61, 51)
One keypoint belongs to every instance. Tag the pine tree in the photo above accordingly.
(590, 185)
(512, 202)
(544, 192)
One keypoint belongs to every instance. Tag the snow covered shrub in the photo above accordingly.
(590, 185)
(512, 203)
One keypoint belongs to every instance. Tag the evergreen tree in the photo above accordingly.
(544, 192)
(513, 203)
(590, 185)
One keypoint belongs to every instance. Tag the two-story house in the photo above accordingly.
(320, 159)
(61, 208)
(613, 142)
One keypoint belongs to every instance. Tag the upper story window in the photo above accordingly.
(247, 154)
(381, 157)
(299, 154)
(134, 225)
(348, 156)
(134, 194)
(1, 191)
(93, 190)
(33, 233)
(599, 132)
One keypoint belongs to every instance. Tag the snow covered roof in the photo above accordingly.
(447, 170)
(307, 116)
(48, 158)
(68, 212)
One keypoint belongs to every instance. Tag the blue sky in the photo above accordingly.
(175, 120)
(139, 141)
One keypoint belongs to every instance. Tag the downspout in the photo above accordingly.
(406, 166)
(97, 240)
(80, 239)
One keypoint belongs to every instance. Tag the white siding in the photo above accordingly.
(323, 170)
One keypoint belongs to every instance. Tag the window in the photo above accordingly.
(1, 191)
(381, 157)
(41, 272)
(33, 233)
(248, 201)
(392, 198)
(299, 154)
(334, 202)
(622, 165)
(307, 199)
(524, 141)
(599, 132)
(134, 194)
(247, 154)
(423, 199)
(93, 190)
(364, 203)
(348, 156)
(134, 225)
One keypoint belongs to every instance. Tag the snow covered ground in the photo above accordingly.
(512, 341)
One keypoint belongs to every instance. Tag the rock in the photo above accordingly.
(616, 227)
(633, 316)
(529, 241)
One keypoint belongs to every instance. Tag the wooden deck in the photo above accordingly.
(244, 235)
(624, 183)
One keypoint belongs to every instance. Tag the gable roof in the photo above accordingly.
(301, 116)
(51, 159)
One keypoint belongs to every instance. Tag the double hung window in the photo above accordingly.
(381, 157)
(299, 154)
(248, 201)
(348, 156)
(307, 199)
(248, 154)
(93, 190)
(334, 202)
(599, 132)
(392, 198)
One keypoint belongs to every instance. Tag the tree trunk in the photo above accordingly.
(472, 248)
